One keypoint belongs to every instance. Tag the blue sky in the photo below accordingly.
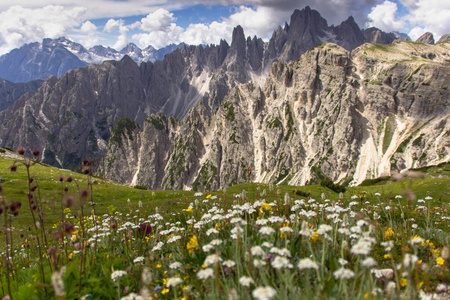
(161, 22)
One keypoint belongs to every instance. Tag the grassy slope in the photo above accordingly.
(107, 193)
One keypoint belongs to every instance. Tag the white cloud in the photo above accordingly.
(90, 35)
(430, 15)
(20, 25)
(112, 25)
(160, 20)
(383, 17)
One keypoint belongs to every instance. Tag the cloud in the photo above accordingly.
(90, 35)
(429, 15)
(112, 25)
(383, 17)
(160, 20)
(421, 16)
(20, 25)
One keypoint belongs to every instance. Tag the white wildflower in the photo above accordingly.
(307, 264)
(264, 293)
(369, 263)
(212, 259)
(229, 263)
(173, 281)
(257, 251)
(343, 273)
(175, 265)
(117, 274)
(205, 273)
(266, 230)
(324, 228)
(258, 263)
(281, 262)
(246, 281)
(138, 259)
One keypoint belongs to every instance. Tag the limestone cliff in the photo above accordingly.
(350, 116)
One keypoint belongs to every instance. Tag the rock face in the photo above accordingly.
(444, 38)
(10, 92)
(248, 83)
(426, 38)
(346, 116)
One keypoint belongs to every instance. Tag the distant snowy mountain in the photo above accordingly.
(57, 56)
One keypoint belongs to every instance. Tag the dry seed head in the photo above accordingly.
(20, 150)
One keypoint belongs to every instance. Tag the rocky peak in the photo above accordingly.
(426, 38)
(376, 36)
(349, 34)
(444, 38)
(238, 42)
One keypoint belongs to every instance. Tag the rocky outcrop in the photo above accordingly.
(376, 36)
(72, 117)
(426, 38)
(444, 38)
(330, 113)
(10, 92)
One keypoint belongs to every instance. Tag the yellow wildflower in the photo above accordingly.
(388, 233)
(165, 291)
(193, 244)
(387, 256)
(188, 209)
(440, 261)
(314, 237)
(158, 266)
(209, 196)
(403, 282)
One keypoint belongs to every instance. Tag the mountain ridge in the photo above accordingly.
(72, 117)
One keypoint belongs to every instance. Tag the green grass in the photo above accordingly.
(107, 193)
(119, 245)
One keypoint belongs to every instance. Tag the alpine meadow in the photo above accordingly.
(312, 162)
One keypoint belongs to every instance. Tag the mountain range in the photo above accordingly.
(36, 61)
(198, 118)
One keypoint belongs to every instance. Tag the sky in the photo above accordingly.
(158, 23)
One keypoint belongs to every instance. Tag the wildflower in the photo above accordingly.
(58, 283)
(212, 259)
(444, 253)
(362, 247)
(174, 281)
(216, 242)
(324, 228)
(258, 263)
(281, 262)
(266, 230)
(343, 273)
(409, 260)
(388, 246)
(205, 273)
(207, 248)
(386, 273)
(229, 263)
(209, 196)
(387, 256)
(246, 281)
(138, 259)
(192, 245)
(440, 261)
(416, 240)
(264, 293)
(403, 282)
(314, 237)
(257, 251)
(146, 276)
(388, 233)
(173, 238)
(131, 296)
(369, 263)
(212, 231)
(307, 264)
(117, 274)
(158, 247)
